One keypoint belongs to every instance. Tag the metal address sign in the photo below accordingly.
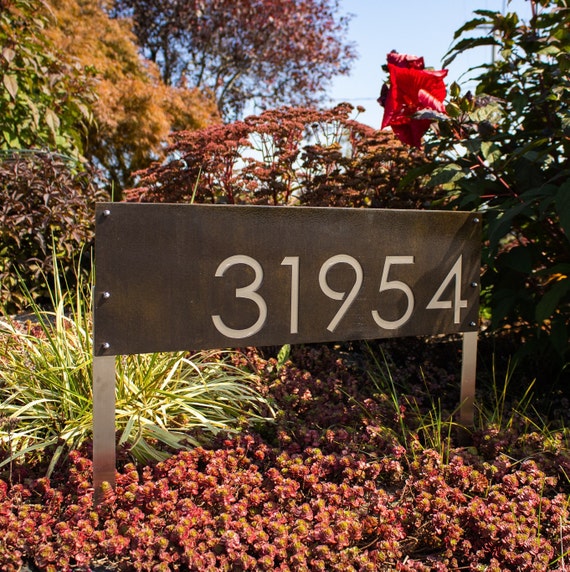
(181, 277)
(188, 277)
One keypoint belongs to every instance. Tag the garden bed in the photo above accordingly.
(360, 471)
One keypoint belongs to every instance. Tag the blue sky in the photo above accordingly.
(419, 27)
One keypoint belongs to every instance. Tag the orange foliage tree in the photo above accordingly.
(134, 110)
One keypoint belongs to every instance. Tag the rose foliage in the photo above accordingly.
(504, 151)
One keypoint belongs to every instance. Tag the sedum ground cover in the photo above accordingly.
(363, 469)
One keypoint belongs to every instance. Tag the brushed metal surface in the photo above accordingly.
(468, 377)
(167, 276)
(103, 423)
(157, 289)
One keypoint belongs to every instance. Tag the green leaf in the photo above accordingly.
(414, 174)
(502, 224)
(490, 151)
(467, 44)
(454, 90)
(562, 202)
(453, 110)
(11, 139)
(549, 50)
(526, 150)
(491, 112)
(549, 302)
(446, 174)
(52, 121)
(501, 307)
(8, 54)
(518, 259)
(475, 23)
(283, 355)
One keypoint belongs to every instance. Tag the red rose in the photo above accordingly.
(412, 88)
(405, 61)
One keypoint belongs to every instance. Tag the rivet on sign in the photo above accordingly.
(475, 220)
(106, 345)
(473, 284)
(106, 295)
(106, 212)
(472, 324)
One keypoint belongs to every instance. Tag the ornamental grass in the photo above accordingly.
(164, 401)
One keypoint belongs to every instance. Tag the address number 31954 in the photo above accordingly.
(346, 297)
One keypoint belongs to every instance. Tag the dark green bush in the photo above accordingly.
(46, 207)
(505, 152)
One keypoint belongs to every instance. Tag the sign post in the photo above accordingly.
(103, 422)
(174, 277)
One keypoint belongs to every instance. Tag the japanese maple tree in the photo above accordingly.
(267, 52)
(133, 110)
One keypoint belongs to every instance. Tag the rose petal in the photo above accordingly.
(405, 60)
(428, 101)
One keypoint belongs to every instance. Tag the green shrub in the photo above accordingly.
(46, 96)
(504, 151)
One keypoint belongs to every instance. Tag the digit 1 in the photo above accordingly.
(293, 262)
(436, 303)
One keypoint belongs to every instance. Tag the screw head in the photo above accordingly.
(106, 295)
(474, 284)
(476, 220)
(472, 324)
(106, 212)
(106, 345)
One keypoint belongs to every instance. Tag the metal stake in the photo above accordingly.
(103, 424)
(468, 375)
